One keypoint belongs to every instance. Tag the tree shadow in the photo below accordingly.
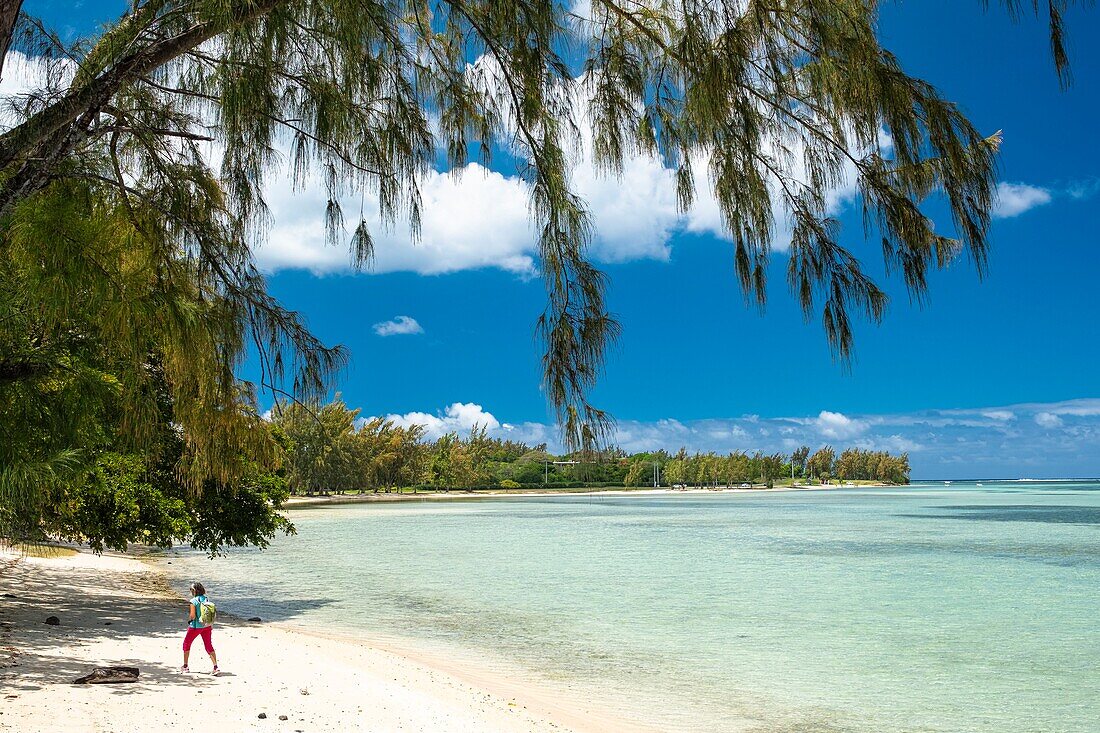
(33, 671)
(93, 606)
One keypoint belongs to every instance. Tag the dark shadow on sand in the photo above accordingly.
(89, 612)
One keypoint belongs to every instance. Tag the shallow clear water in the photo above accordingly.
(960, 608)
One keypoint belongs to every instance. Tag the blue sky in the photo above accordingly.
(997, 377)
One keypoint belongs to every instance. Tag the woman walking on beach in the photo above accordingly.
(196, 626)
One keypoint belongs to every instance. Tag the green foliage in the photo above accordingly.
(320, 445)
(799, 459)
(820, 464)
(638, 474)
(107, 348)
(246, 513)
(530, 473)
(855, 463)
(458, 463)
(121, 418)
(771, 467)
(326, 453)
(122, 501)
(126, 499)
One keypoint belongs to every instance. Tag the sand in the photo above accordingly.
(307, 502)
(117, 610)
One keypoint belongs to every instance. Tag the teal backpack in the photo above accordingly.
(207, 612)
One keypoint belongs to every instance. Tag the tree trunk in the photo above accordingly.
(108, 676)
(9, 13)
(24, 138)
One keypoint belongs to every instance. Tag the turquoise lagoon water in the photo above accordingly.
(929, 608)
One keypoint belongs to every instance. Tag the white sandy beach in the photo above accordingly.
(119, 611)
(302, 502)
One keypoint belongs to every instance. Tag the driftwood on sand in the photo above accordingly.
(108, 676)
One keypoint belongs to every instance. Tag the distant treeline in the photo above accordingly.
(330, 450)
(712, 469)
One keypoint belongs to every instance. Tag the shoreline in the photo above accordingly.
(555, 707)
(306, 502)
(121, 610)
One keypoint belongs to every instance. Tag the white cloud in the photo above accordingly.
(1083, 189)
(532, 433)
(471, 218)
(459, 417)
(838, 426)
(1013, 199)
(399, 326)
(1076, 408)
(1000, 415)
(634, 214)
(24, 75)
(892, 443)
(1048, 420)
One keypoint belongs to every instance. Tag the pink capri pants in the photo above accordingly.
(192, 632)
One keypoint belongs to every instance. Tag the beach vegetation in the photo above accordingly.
(820, 464)
(122, 419)
(855, 463)
(326, 454)
(127, 501)
(799, 458)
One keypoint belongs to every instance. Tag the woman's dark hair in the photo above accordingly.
(197, 589)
